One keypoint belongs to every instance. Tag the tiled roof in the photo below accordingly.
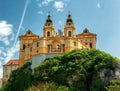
(12, 62)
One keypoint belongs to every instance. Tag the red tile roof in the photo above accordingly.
(12, 62)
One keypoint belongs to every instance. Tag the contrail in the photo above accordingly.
(21, 22)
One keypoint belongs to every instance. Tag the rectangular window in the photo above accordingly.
(37, 44)
(74, 43)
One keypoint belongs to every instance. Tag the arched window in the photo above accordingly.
(90, 45)
(48, 33)
(69, 33)
(24, 46)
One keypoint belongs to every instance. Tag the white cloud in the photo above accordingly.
(11, 52)
(1, 62)
(1, 58)
(39, 5)
(2, 53)
(46, 2)
(6, 54)
(5, 32)
(99, 5)
(1, 72)
(5, 28)
(1, 50)
(59, 5)
(7, 37)
(40, 12)
(12, 37)
(6, 41)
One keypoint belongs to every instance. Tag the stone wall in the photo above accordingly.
(38, 59)
(0, 82)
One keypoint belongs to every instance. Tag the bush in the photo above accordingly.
(114, 85)
(48, 86)
(20, 79)
(78, 70)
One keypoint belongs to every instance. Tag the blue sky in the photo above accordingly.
(101, 17)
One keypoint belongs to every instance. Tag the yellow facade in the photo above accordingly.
(51, 43)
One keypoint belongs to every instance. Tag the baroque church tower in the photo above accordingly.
(48, 29)
(25, 42)
(69, 29)
(70, 34)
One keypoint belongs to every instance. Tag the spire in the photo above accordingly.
(69, 29)
(69, 15)
(48, 18)
(49, 15)
(69, 19)
(48, 29)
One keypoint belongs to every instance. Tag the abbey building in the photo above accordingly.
(51, 43)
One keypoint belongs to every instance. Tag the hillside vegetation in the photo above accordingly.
(78, 70)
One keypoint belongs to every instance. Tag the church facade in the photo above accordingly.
(51, 43)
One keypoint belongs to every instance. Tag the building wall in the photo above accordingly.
(0, 82)
(7, 71)
(25, 42)
(38, 59)
(52, 43)
(43, 45)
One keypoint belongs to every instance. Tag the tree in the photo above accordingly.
(20, 79)
(114, 85)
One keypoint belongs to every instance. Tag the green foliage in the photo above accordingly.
(20, 79)
(47, 86)
(78, 70)
(97, 85)
(114, 85)
(1, 89)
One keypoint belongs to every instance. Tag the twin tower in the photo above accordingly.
(51, 43)
(69, 29)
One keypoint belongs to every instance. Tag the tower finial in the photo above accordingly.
(69, 15)
(48, 14)
(69, 12)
